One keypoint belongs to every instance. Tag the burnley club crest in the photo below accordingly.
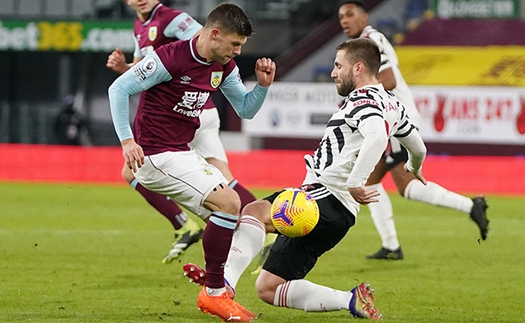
(216, 78)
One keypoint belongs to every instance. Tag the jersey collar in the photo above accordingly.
(152, 14)
(195, 53)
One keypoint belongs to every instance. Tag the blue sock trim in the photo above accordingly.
(226, 216)
(224, 220)
(233, 183)
(134, 183)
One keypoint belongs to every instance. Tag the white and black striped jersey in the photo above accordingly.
(389, 60)
(354, 140)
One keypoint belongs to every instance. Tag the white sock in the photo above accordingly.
(247, 241)
(215, 291)
(304, 295)
(383, 216)
(435, 194)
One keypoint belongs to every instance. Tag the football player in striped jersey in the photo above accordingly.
(353, 18)
(354, 141)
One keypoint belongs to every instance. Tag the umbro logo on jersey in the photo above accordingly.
(185, 79)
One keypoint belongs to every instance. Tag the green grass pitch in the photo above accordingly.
(87, 253)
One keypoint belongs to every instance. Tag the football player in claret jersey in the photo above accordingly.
(353, 142)
(176, 81)
(353, 18)
(157, 25)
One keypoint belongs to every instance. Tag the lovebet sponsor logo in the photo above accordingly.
(65, 36)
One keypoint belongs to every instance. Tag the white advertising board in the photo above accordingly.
(494, 115)
(297, 110)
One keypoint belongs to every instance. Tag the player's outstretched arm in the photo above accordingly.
(245, 103)
(265, 71)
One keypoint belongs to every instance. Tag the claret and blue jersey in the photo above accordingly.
(176, 82)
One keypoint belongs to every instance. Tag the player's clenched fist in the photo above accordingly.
(265, 71)
(117, 61)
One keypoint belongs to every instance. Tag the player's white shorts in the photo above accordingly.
(184, 176)
(207, 142)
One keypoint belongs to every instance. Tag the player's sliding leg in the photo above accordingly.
(281, 281)
(304, 295)
(382, 215)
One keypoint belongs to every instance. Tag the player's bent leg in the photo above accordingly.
(401, 177)
(247, 240)
(304, 295)
(214, 298)
(246, 243)
(266, 285)
(435, 194)
(261, 210)
(223, 199)
(218, 234)
(244, 194)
